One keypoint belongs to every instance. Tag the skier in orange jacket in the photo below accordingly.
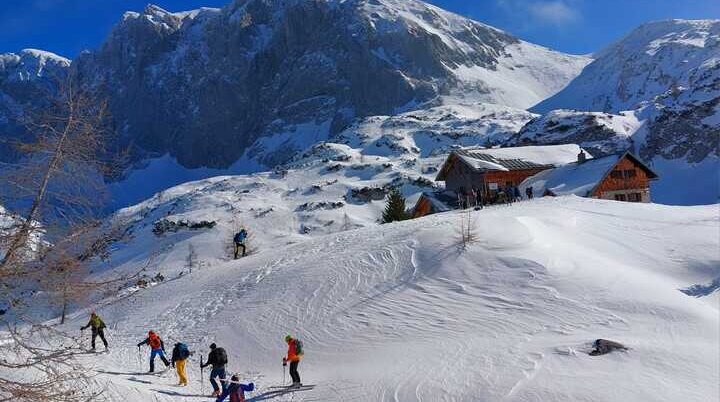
(294, 354)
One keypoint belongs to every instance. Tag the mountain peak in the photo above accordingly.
(647, 62)
(45, 56)
(655, 34)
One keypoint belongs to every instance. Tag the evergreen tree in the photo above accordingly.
(395, 207)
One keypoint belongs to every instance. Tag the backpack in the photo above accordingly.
(154, 341)
(183, 351)
(240, 236)
(299, 347)
(221, 356)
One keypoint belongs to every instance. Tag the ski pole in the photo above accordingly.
(202, 382)
(284, 365)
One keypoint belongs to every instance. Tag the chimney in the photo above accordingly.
(582, 157)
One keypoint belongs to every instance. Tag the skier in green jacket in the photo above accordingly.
(98, 328)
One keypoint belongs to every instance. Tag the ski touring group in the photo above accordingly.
(217, 359)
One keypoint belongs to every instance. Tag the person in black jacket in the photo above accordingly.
(218, 359)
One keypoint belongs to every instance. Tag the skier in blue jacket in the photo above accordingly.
(239, 240)
(236, 390)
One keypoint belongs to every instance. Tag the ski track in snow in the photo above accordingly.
(399, 313)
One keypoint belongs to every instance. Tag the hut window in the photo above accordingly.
(634, 197)
(620, 197)
(630, 173)
(616, 174)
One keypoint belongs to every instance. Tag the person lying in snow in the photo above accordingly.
(604, 346)
(235, 390)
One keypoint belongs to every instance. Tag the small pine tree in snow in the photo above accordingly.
(395, 207)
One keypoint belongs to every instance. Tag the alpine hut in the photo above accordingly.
(622, 177)
(489, 171)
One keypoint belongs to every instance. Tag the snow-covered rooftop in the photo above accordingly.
(574, 178)
(540, 154)
(515, 158)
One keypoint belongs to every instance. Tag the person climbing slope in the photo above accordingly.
(180, 354)
(97, 327)
(236, 390)
(157, 347)
(239, 240)
(294, 354)
(218, 359)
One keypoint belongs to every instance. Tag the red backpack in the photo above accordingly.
(154, 341)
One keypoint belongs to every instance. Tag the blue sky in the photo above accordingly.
(574, 26)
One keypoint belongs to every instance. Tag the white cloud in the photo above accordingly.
(544, 12)
(553, 12)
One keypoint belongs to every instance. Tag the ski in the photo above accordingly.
(291, 387)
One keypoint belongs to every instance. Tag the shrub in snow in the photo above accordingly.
(163, 226)
(314, 206)
(367, 194)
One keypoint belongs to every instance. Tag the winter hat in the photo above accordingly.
(288, 338)
(213, 346)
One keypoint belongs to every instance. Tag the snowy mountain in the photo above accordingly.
(651, 60)
(28, 80)
(205, 86)
(669, 73)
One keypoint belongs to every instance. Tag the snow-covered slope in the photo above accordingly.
(401, 312)
(407, 143)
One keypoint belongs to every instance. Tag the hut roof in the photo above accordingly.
(579, 179)
(440, 201)
(509, 159)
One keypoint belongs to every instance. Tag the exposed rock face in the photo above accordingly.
(600, 133)
(206, 85)
(684, 122)
(28, 81)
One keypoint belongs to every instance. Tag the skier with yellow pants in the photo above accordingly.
(180, 354)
